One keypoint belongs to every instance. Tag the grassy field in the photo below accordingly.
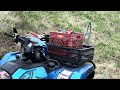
(105, 33)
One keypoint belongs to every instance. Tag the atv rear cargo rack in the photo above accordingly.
(71, 56)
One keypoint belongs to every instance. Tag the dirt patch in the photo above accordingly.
(107, 70)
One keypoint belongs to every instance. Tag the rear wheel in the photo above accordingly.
(91, 76)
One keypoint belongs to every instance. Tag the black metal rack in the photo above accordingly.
(71, 56)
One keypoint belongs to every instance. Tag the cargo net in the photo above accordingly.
(70, 56)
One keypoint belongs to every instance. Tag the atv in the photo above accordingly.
(34, 62)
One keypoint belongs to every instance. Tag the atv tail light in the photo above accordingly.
(4, 75)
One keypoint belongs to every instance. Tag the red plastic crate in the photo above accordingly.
(67, 40)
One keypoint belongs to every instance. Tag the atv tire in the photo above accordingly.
(91, 76)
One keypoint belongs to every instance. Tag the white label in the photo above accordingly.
(65, 74)
(30, 44)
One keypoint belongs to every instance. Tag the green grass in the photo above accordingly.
(106, 51)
